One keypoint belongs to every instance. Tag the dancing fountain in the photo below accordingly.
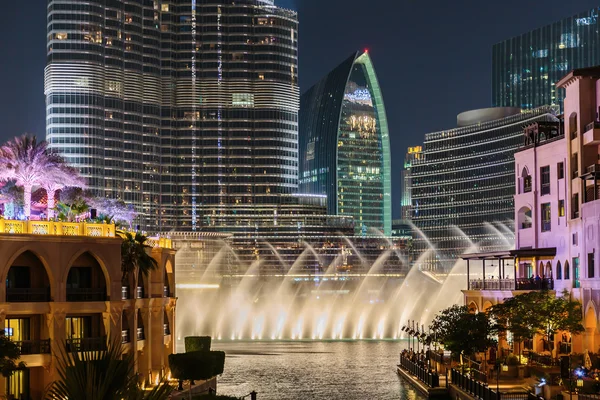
(335, 303)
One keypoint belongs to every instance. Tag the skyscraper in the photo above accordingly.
(526, 68)
(463, 184)
(412, 155)
(187, 109)
(344, 144)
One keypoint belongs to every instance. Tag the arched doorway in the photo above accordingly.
(558, 270)
(86, 280)
(590, 324)
(27, 280)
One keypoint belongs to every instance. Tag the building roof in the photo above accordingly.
(591, 72)
(510, 254)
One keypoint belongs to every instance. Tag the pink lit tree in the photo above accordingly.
(60, 177)
(29, 163)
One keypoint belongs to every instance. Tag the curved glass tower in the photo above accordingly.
(344, 145)
(188, 109)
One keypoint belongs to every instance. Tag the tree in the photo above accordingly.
(59, 178)
(462, 332)
(9, 354)
(101, 375)
(538, 312)
(27, 161)
(135, 257)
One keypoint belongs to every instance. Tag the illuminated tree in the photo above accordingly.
(60, 177)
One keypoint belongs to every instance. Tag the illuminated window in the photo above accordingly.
(546, 217)
(242, 100)
(164, 7)
(261, 77)
(61, 36)
(561, 208)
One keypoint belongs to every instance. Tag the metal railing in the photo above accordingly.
(86, 344)
(86, 294)
(492, 284)
(34, 346)
(589, 396)
(479, 390)
(592, 125)
(139, 292)
(429, 378)
(25, 295)
(542, 359)
(437, 357)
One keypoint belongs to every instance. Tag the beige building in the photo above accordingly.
(63, 288)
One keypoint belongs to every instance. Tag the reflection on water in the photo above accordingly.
(345, 370)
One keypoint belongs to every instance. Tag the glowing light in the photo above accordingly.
(197, 286)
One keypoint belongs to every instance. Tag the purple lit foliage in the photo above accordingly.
(29, 163)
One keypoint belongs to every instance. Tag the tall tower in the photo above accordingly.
(345, 146)
(188, 109)
(412, 155)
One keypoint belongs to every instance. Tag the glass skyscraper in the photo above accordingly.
(344, 145)
(188, 109)
(463, 184)
(526, 68)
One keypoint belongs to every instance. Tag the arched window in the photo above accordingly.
(567, 274)
(573, 125)
(524, 218)
(526, 180)
(558, 270)
(548, 272)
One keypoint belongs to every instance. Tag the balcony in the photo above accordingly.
(592, 134)
(28, 347)
(125, 337)
(125, 292)
(27, 295)
(140, 334)
(57, 228)
(527, 188)
(139, 292)
(511, 284)
(86, 344)
(86, 294)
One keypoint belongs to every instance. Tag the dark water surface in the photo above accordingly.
(314, 370)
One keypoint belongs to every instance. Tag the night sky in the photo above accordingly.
(433, 58)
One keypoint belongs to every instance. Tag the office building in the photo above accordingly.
(64, 292)
(186, 109)
(344, 146)
(413, 154)
(526, 68)
(463, 184)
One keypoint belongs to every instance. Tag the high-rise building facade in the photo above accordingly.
(413, 154)
(463, 184)
(526, 68)
(344, 145)
(188, 109)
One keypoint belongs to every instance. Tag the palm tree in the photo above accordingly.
(28, 162)
(59, 178)
(135, 256)
(101, 375)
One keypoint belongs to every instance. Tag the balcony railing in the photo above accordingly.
(86, 294)
(34, 346)
(139, 292)
(527, 188)
(57, 228)
(526, 225)
(546, 226)
(124, 292)
(140, 334)
(166, 329)
(511, 284)
(125, 338)
(166, 291)
(25, 295)
(86, 344)
(592, 125)
(574, 135)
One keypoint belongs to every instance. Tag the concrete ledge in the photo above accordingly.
(431, 393)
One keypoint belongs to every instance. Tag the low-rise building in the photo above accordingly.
(557, 215)
(63, 291)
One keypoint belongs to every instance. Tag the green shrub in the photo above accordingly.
(197, 365)
(512, 360)
(197, 343)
